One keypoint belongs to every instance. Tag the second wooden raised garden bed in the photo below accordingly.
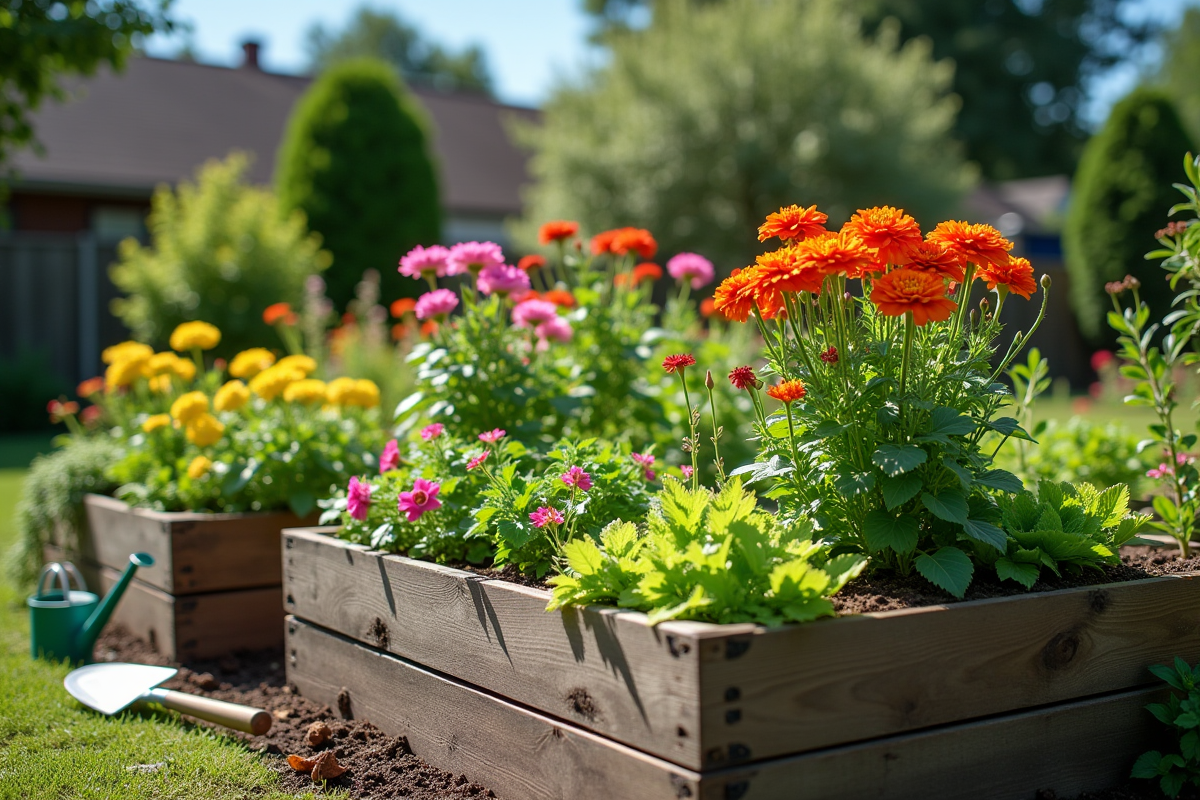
(998, 698)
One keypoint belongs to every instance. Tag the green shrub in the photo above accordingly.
(220, 251)
(355, 159)
(1120, 196)
(1103, 454)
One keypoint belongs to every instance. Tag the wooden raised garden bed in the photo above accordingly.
(1002, 697)
(214, 588)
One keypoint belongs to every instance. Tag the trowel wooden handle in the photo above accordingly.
(231, 715)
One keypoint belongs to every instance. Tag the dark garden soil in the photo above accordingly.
(1134, 790)
(378, 765)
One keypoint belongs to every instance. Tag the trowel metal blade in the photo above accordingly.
(108, 688)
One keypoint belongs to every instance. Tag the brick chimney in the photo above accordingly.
(250, 50)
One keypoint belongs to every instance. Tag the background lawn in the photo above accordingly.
(50, 747)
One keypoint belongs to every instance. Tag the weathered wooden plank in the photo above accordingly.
(605, 670)
(196, 551)
(764, 692)
(522, 754)
(518, 753)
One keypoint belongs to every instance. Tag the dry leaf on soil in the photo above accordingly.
(322, 766)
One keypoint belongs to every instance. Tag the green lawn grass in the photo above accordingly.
(51, 747)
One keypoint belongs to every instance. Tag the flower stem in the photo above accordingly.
(695, 440)
(909, 335)
(712, 406)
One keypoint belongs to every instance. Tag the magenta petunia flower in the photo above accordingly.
(430, 432)
(577, 478)
(477, 460)
(687, 471)
(422, 262)
(691, 265)
(436, 304)
(473, 257)
(422, 498)
(532, 313)
(358, 499)
(492, 436)
(390, 458)
(503, 279)
(556, 329)
(545, 516)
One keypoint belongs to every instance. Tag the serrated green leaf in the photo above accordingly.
(583, 556)
(900, 489)
(884, 530)
(895, 460)
(947, 568)
(854, 483)
(949, 504)
(987, 533)
(1001, 480)
(1023, 573)
(1146, 767)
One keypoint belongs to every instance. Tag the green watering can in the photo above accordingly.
(64, 623)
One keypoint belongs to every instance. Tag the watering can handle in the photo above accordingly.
(231, 715)
(65, 571)
(76, 574)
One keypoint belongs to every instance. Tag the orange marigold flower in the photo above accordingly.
(1016, 276)
(602, 242)
(279, 312)
(923, 293)
(734, 297)
(557, 230)
(708, 307)
(836, 254)
(977, 243)
(400, 331)
(429, 327)
(782, 271)
(405, 305)
(788, 391)
(888, 232)
(560, 297)
(635, 240)
(928, 257)
(646, 271)
(793, 222)
(517, 299)
(90, 387)
(532, 262)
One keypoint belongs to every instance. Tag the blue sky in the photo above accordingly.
(530, 44)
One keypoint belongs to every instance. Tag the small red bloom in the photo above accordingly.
(830, 356)
(708, 307)
(678, 362)
(743, 378)
(279, 313)
(560, 297)
(531, 262)
(557, 230)
(404, 305)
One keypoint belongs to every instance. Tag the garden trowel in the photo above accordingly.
(110, 688)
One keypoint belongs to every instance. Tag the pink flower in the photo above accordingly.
(390, 459)
(577, 478)
(477, 460)
(546, 516)
(436, 304)
(1160, 472)
(422, 498)
(533, 312)
(646, 461)
(687, 470)
(421, 262)
(503, 279)
(473, 257)
(358, 499)
(556, 329)
(492, 436)
(430, 432)
(691, 265)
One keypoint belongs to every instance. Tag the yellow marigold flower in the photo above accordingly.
(302, 363)
(195, 335)
(199, 467)
(342, 391)
(190, 407)
(307, 391)
(205, 430)
(125, 351)
(185, 369)
(232, 396)
(249, 363)
(161, 384)
(160, 364)
(155, 422)
(124, 372)
(367, 393)
(271, 382)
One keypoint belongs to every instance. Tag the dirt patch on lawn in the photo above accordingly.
(379, 766)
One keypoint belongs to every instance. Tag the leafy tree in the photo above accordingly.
(384, 35)
(355, 159)
(1120, 196)
(1179, 74)
(220, 251)
(42, 41)
(710, 118)
(1021, 66)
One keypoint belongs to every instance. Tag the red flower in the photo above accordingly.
(830, 356)
(91, 415)
(678, 362)
(743, 378)
(560, 297)
(404, 305)
(279, 313)
(602, 242)
(636, 240)
(646, 271)
(531, 262)
(708, 307)
(557, 230)
(90, 387)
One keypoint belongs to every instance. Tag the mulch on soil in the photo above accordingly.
(380, 766)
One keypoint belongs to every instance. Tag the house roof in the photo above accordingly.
(160, 119)
(1029, 205)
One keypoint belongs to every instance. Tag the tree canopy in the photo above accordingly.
(42, 41)
(384, 35)
(1179, 75)
(355, 159)
(709, 118)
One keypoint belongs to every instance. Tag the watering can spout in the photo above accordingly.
(99, 618)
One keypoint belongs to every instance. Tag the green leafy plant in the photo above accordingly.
(1064, 528)
(1181, 713)
(1100, 453)
(705, 556)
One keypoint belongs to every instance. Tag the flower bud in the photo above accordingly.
(1132, 282)
(983, 306)
(974, 317)
(708, 381)
(1045, 281)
